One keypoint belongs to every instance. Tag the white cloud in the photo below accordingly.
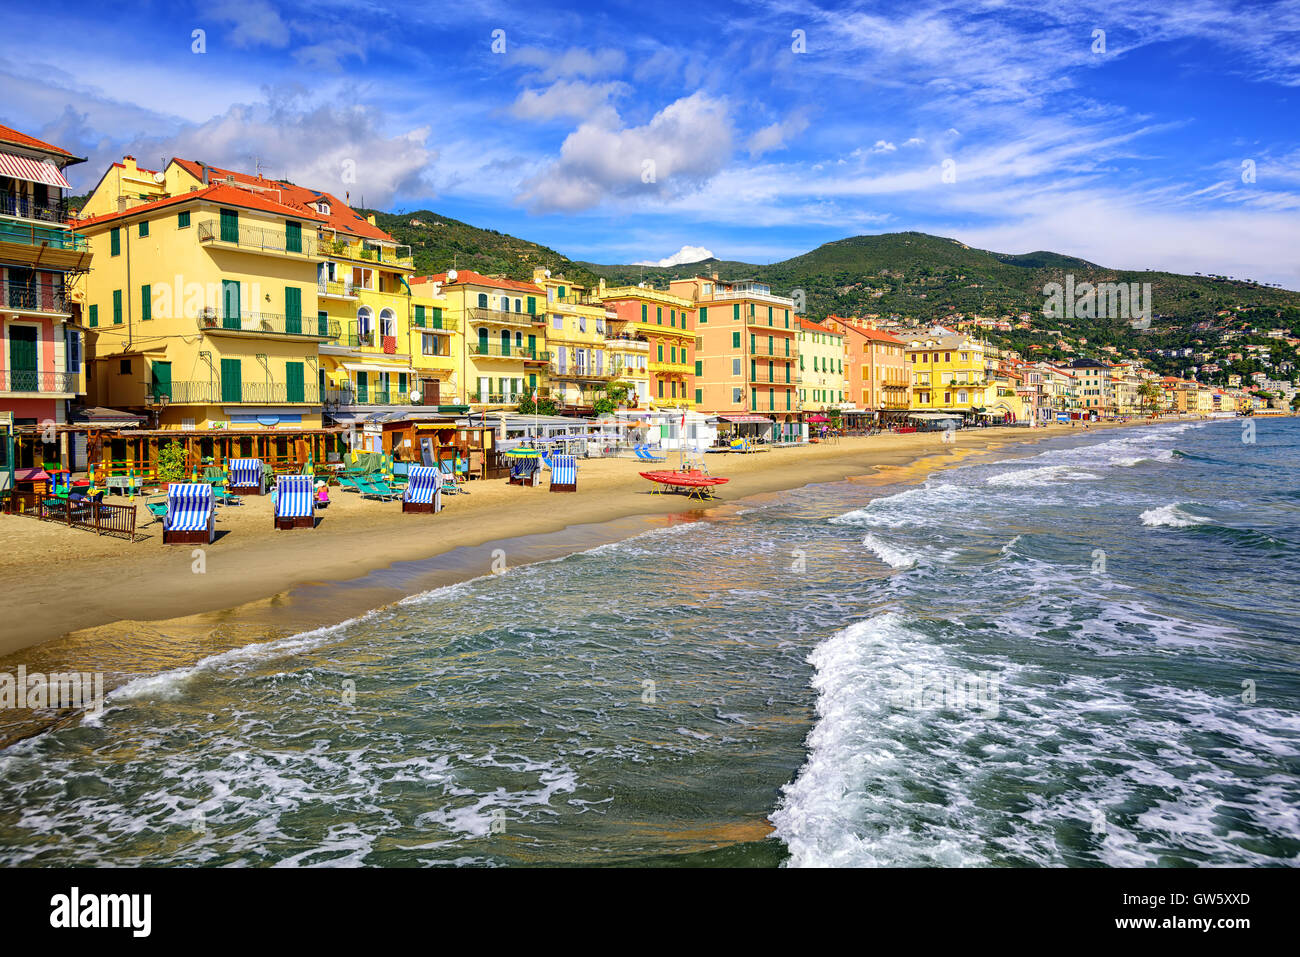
(552, 65)
(253, 22)
(687, 254)
(570, 99)
(914, 141)
(777, 135)
(681, 147)
(883, 147)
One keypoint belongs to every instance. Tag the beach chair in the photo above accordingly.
(373, 489)
(642, 452)
(451, 482)
(157, 507)
(424, 490)
(191, 515)
(525, 471)
(564, 473)
(294, 506)
(246, 477)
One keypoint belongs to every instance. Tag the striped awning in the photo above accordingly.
(33, 171)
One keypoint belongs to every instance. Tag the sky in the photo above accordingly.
(1160, 138)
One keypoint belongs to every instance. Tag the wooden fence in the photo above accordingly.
(118, 520)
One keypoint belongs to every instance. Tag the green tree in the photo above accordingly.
(1151, 394)
(171, 462)
(541, 407)
(616, 393)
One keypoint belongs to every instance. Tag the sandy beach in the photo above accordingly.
(55, 581)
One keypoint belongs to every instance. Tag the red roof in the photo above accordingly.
(818, 327)
(10, 135)
(218, 193)
(341, 216)
(875, 335)
(467, 277)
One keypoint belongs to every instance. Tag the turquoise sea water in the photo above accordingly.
(1086, 655)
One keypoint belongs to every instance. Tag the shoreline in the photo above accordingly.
(149, 585)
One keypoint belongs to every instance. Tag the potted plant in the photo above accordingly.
(171, 463)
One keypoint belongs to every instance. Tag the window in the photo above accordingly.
(704, 315)
(72, 352)
(735, 367)
(699, 367)
(735, 313)
(736, 393)
(183, 220)
(94, 316)
(146, 302)
(482, 300)
(699, 396)
(144, 228)
(114, 242)
(229, 226)
(419, 317)
(117, 307)
(124, 367)
(293, 310)
(735, 338)
(292, 236)
(643, 312)
(659, 315)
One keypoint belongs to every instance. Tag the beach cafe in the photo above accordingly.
(935, 421)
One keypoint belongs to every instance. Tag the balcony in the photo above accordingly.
(336, 289)
(33, 297)
(501, 317)
(365, 252)
(268, 324)
(495, 398)
(216, 392)
(29, 234)
(50, 211)
(40, 383)
(430, 324)
(253, 239)
(672, 368)
(759, 320)
(351, 397)
(494, 350)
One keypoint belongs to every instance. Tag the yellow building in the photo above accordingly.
(821, 377)
(499, 326)
(949, 374)
(202, 307)
(580, 366)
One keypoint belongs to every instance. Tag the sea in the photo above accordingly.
(1082, 652)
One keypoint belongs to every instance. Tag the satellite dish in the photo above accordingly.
(159, 177)
(547, 274)
(415, 396)
(451, 275)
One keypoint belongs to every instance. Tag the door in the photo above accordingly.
(505, 342)
(294, 388)
(162, 379)
(22, 359)
(532, 347)
(293, 236)
(432, 392)
(482, 342)
(293, 310)
(229, 226)
(232, 381)
(363, 388)
(229, 304)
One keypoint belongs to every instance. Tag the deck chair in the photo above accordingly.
(191, 515)
(643, 453)
(424, 490)
(379, 490)
(564, 473)
(157, 508)
(450, 483)
(294, 502)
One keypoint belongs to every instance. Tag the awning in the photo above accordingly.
(932, 416)
(744, 418)
(33, 171)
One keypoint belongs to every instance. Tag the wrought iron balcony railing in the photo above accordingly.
(498, 351)
(18, 380)
(269, 323)
(218, 392)
(338, 289)
(502, 317)
(33, 296)
(256, 239)
(49, 211)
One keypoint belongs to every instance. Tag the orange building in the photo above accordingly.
(877, 372)
(748, 353)
(666, 322)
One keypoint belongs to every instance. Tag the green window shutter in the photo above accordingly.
(294, 390)
(146, 302)
(114, 242)
(659, 315)
(672, 317)
(753, 369)
(162, 378)
(293, 236)
(560, 292)
(144, 228)
(322, 324)
(293, 310)
(532, 307)
(229, 226)
(643, 311)
(704, 314)
(769, 315)
(94, 316)
(117, 307)
(787, 318)
(230, 304)
(437, 317)
(753, 342)
(401, 383)
(771, 349)
(363, 387)
(673, 353)
(183, 220)
(661, 391)
(661, 352)
(419, 317)
(699, 367)
(699, 396)
(232, 380)
(735, 340)
(735, 311)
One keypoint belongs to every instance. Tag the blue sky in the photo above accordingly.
(1130, 156)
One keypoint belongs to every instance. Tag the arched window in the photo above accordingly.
(365, 323)
(519, 305)
(505, 342)
(387, 322)
(482, 300)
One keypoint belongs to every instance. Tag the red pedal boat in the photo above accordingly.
(694, 482)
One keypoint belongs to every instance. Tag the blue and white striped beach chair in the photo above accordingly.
(424, 491)
(564, 473)
(191, 514)
(245, 477)
(295, 501)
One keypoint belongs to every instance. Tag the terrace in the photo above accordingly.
(218, 392)
(24, 207)
(502, 317)
(268, 324)
(366, 252)
(33, 297)
(254, 239)
(40, 383)
(32, 235)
